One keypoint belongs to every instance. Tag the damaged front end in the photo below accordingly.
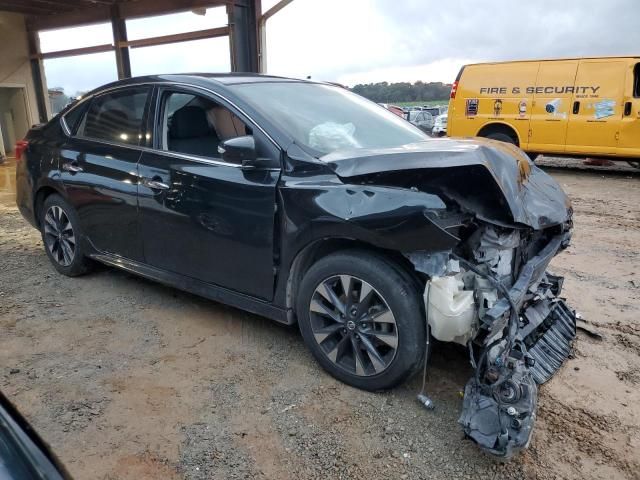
(493, 294)
(481, 223)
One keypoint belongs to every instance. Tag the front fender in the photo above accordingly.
(387, 217)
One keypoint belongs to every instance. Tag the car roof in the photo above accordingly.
(202, 79)
(215, 78)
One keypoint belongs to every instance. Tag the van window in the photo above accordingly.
(636, 81)
(116, 117)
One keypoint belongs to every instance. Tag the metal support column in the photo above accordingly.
(37, 74)
(243, 38)
(119, 27)
(262, 32)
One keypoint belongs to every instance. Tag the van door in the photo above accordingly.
(629, 142)
(552, 97)
(596, 110)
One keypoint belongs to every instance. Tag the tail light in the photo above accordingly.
(454, 89)
(21, 146)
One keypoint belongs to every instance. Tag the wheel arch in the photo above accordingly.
(499, 127)
(320, 248)
(39, 198)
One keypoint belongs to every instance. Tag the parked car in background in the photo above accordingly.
(578, 107)
(421, 119)
(308, 204)
(394, 109)
(435, 110)
(23, 453)
(440, 126)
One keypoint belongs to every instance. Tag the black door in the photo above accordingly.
(100, 172)
(201, 217)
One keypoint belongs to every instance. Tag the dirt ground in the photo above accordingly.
(129, 379)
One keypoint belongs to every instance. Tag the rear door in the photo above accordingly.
(629, 142)
(99, 168)
(596, 112)
(200, 216)
(552, 97)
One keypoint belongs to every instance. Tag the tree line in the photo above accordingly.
(384, 92)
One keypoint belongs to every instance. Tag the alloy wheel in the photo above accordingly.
(59, 237)
(353, 325)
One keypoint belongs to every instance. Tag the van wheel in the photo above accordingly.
(362, 320)
(62, 237)
(502, 137)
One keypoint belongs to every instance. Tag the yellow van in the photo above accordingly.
(582, 106)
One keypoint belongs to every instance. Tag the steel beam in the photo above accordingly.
(178, 37)
(119, 28)
(37, 76)
(101, 13)
(262, 32)
(243, 39)
(106, 47)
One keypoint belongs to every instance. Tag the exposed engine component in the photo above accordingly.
(452, 312)
(496, 250)
(493, 294)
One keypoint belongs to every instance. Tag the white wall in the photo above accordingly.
(14, 116)
(15, 68)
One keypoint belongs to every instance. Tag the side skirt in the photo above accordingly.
(197, 287)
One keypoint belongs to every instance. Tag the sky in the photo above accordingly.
(366, 41)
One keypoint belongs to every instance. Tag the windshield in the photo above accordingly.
(326, 119)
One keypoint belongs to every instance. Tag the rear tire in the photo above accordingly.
(379, 339)
(62, 237)
(502, 137)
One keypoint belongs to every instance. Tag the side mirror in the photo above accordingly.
(239, 150)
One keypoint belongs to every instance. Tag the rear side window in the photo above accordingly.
(72, 117)
(117, 116)
(636, 81)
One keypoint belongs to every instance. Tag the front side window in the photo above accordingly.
(326, 119)
(117, 116)
(636, 81)
(196, 125)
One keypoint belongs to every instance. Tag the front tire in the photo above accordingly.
(362, 320)
(62, 237)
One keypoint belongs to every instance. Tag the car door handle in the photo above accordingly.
(576, 108)
(71, 167)
(154, 183)
(627, 109)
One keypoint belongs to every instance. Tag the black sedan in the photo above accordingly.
(308, 204)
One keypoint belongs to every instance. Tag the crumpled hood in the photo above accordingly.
(532, 196)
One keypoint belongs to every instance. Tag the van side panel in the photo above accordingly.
(598, 99)
(493, 94)
(536, 99)
(629, 142)
(551, 106)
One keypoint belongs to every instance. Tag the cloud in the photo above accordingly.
(338, 40)
(361, 41)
